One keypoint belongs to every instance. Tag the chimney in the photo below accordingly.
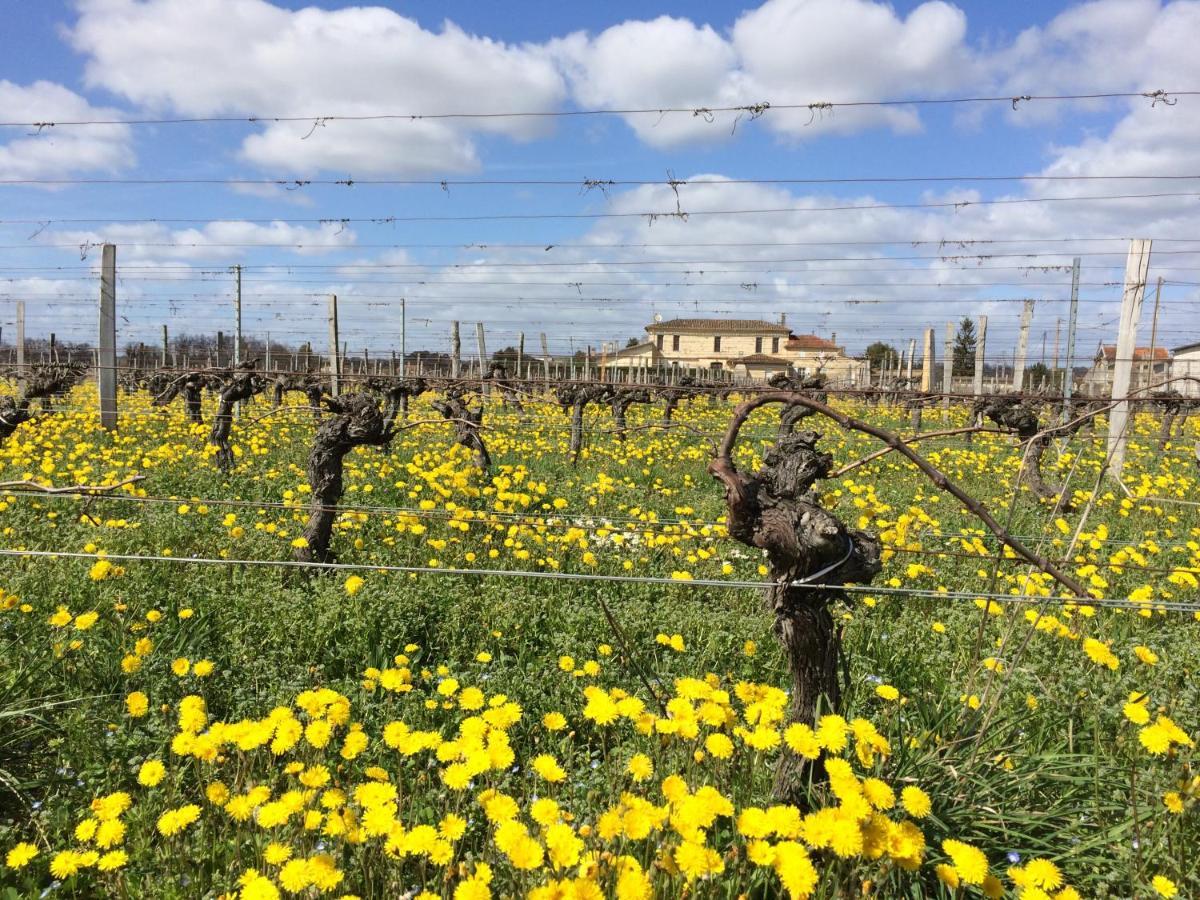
(833, 338)
(783, 318)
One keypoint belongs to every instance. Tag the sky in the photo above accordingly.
(864, 222)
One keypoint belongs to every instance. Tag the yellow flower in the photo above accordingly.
(354, 584)
(1164, 886)
(86, 620)
(547, 767)
(970, 863)
(181, 666)
(203, 668)
(887, 692)
(137, 704)
(554, 721)
(915, 802)
(719, 745)
(20, 855)
(151, 773)
(640, 767)
(174, 821)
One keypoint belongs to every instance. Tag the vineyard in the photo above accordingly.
(493, 637)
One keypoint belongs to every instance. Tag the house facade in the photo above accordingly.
(715, 343)
(1148, 368)
(750, 349)
(1185, 361)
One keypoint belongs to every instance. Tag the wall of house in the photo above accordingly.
(1187, 363)
(696, 349)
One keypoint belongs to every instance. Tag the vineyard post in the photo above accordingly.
(237, 329)
(947, 371)
(980, 356)
(403, 340)
(220, 344)
(546, 359)
(455, 350)
(482, 348)
(912, 351)
(20, 349)
(1154, 328)
(1022, 350)
(106, 362)
(54, 349)
(335, 365)
(1057, 338)
(927, 362)
(1136, 266)
(267, 353)
(520, 351)
(1069, 362)
(165, 346)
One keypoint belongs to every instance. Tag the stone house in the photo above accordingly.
(1147, 369)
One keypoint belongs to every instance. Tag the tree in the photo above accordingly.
(633, 342)
(1035, 374)
(965, 343)
(878, 352)
(506, 355)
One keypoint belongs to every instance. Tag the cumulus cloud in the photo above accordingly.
(57, 152)
(249, 57)
(154, 241)
(785, 51)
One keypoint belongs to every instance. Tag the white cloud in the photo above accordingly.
(220, 240)
(57, 152)
(839, 50)
(785, 51)
(249, 57)
(666, 62)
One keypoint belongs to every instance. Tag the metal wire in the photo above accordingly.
(1112, 603)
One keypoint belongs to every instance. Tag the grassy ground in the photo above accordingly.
(1036, 730)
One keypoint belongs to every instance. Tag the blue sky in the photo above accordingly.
(124, 59)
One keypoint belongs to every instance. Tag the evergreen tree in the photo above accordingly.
(877, 353)
(965, 343)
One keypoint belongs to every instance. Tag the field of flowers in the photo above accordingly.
(222, 729)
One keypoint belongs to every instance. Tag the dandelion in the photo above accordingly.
(137, 704)
(20, 855)
(887, 692)
(1163, 886)
(547, 768)
(915, 802)
(640, 767)
(151, 773)
(353, 585)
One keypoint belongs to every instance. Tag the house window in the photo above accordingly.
(717, 344)
(758, 345)
(660, 342)
(774, 345)
(674, 342)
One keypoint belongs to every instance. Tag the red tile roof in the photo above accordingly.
(811, 342)
(760, 359)
(719, 326)
(1140, 354)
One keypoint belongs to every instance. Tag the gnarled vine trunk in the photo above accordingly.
(467, 424)
(778, 510)
(356, 422)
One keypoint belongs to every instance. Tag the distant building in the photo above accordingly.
(1148, 368)
(749, 349)
(640, 356)
(715, 343)
(811, 354)
(1186, 361)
